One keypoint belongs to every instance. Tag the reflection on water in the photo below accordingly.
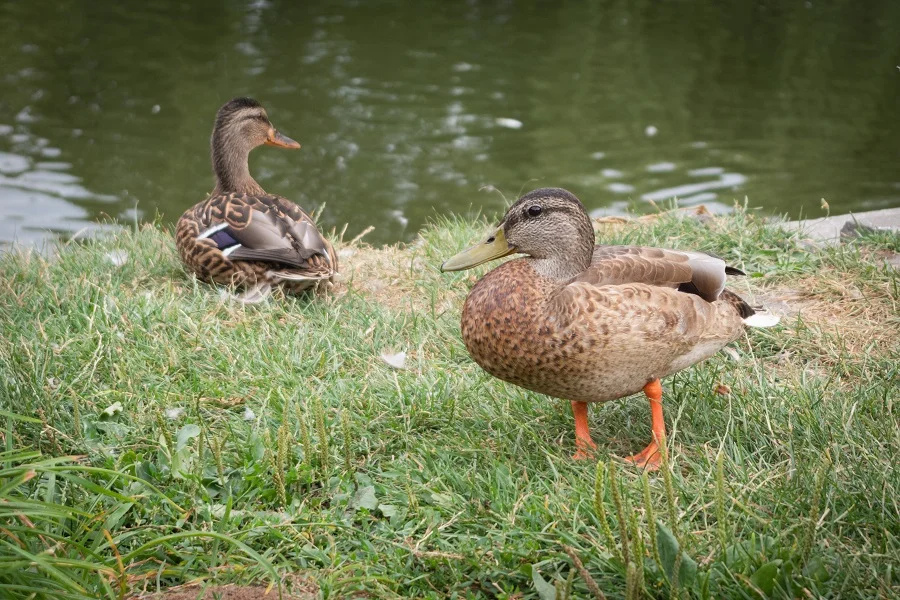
(407, 111)
(39, 197)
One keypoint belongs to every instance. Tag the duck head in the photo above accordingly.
(549, 225)
(241, 125)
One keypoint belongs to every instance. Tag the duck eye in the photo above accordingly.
(534, 211)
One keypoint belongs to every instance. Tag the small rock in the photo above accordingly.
(851, 229)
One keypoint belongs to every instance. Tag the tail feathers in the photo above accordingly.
(761, 319)
(745, 310)
(253, 295)
(752, 317)
(294, 276)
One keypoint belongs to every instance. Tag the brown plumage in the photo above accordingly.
(592, 323)
(241, 235)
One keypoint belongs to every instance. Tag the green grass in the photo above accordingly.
(271, 442)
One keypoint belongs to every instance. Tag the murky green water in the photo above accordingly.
(407, 110)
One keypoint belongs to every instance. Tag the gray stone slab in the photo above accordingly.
(830, 229)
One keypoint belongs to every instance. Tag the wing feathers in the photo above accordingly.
(264, 236)
(691, 272)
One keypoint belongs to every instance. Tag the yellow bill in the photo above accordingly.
(493, 246)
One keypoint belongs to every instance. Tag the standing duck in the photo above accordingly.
(592, 323)
(241, 235)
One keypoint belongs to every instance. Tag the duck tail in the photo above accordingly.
(752, 317)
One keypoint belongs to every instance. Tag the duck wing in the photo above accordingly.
(265, 228)
(661, 301)
(687, 271)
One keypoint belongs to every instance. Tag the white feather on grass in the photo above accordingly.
(117, 257)
(398, 360)
(174, 413)
(113, 409)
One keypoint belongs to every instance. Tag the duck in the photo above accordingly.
(587, 322)
(243, 236)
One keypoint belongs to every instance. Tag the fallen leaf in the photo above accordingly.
(365, 498)
(186, 434)
(224, 402)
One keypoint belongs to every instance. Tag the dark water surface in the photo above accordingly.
(406, 110)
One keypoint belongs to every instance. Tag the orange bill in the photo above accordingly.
(278, 139)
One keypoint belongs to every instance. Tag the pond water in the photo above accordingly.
(407, 111)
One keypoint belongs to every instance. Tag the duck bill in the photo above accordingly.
(492, 247)
(278, 139)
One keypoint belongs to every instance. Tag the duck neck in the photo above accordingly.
(560, 268)
(563, 266)
(229, 160)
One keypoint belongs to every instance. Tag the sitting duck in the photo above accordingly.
(593, 323)
(243, 236)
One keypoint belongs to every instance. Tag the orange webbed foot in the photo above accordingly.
(648, 459)
(585, 449)
(583, 442)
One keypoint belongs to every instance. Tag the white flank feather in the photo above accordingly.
(762, 320)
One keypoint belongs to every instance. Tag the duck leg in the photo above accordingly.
(583, 442)
(649, 457)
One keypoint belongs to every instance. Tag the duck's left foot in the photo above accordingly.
(585, 449)
(650, 457)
